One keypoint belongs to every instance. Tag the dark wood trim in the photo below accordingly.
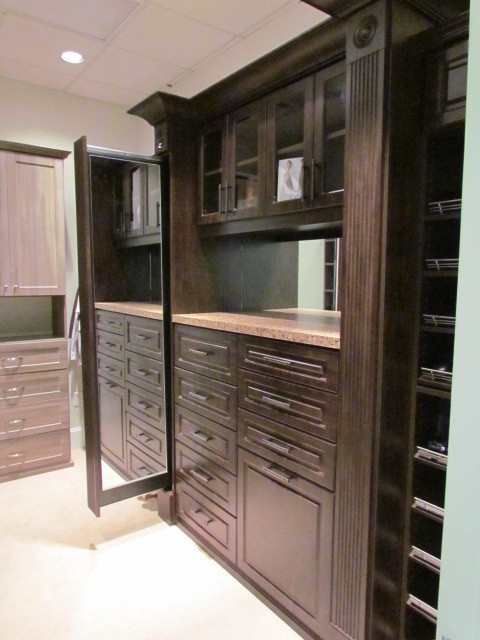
(20, 147)
(436, 10)
(162, 106)
(166, 506)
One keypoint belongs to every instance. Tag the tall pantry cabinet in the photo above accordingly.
(34, 413)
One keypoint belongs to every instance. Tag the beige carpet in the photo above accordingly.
(125, 576)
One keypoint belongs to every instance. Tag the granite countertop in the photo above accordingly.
(319, 328)
(152, 310)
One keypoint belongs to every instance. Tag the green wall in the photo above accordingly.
(459, 606)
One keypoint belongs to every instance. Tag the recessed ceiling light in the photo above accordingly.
(73, 57)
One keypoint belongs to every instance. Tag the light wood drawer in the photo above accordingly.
(212, 440)
(210, 398)
(144, 336)
(111, 322)
(212, 480)
(147, 438)
(311, 457)
(208, 521)
(139, 464)
(110, 368)
(110, 344)
(20, 456)
(295, 405)
(29, 419)
(210, 353)
(144, 372)
(299, 363)
(32, 355)
(17, 390)
(145, 405)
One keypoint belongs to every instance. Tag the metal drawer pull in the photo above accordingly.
(206, 520)
(16, 421)
(201, 476)
(199, 396)
(110, 344)
(145, 469)
(17, 391)
(109, 368)
(278, 475)
(139, 336)
(201, 436)
(16, 455)
(144, 404)
(141, 372)
(281, 404)
(8, 363)
(200, 352)
(110, 385)
(276, 445)
(288, 362)
(146, 438)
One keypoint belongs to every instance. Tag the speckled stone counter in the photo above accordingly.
(141, 309)
(319, 328)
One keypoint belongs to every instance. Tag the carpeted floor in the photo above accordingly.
(65, 574)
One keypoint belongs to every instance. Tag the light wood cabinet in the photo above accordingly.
(32, 239)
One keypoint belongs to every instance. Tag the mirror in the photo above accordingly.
(122, 217)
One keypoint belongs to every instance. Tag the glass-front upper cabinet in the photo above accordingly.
(213, 173)
(153, 200)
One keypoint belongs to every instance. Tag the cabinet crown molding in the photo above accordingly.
(162, 106)
(437, 10)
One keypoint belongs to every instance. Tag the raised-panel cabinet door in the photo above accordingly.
(36, 225)
(213, 183)
(4, 248)
(112, 421)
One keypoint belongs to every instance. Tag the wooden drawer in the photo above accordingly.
(308, 456)
(110, 344)
(216, 483)
(300, 407)
(111, 322)
(212, 440)
(139, 464)
(211, 398)
(144, 336)
(17, 390)
(33, 355)
(210, 353)
(20, 456)
(147, 438)
(144, 372)
(110, 368)
(299, 363)
(211, 523)
(145, 405)
(33, 418)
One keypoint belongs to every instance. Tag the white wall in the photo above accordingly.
(459, 605)
(49, 118)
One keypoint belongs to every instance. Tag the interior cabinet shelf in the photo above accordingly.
(335, 134)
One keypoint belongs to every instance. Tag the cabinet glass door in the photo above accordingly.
(246, 181)
(153, 200)
(290, 148)
(213, 158)
(133, 200)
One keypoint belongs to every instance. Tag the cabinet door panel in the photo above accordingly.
(4, 242)
(144, 336)
(213, 173)
(36, 225)
(112, 423)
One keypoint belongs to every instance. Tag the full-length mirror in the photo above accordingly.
(122, 204)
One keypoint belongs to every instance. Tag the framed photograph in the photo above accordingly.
(290, 179)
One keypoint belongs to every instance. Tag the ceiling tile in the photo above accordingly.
(130, 70)
(41, 45)
(105, 92)
(225, 14)
(97, 18)
(168, 36)
(35, 75)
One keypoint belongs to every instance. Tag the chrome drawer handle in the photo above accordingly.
(201, 476)
(288, 362)
(108, 368)
(110, 344)
(203, 437)
(142, 337)
(144, 404)
(16, 421)
(110, 385)
(199, 396)
(280, 404)
(17, 391)
(16, 455)
(277, 474)
(200, 515)
(141, 372)
(8, 363)
(200, 352)
(146, 438)
(276, 446)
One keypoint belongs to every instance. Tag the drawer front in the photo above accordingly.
(147, 438)
(139, 464)
(212, 440)
(145, 405)
(29, 419)
(311, 457)
(207, 477)
(32, 356)
(144, 372)
(111, 322)
(144, 336)
(110, 368)
(210, 353)
(17, 390)
(110, 344)
(211, 523)
(299, 363)
(297, 406)
(21, 455)
(211, 398)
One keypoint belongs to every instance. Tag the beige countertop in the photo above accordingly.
(152, 310)
(319, 328)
